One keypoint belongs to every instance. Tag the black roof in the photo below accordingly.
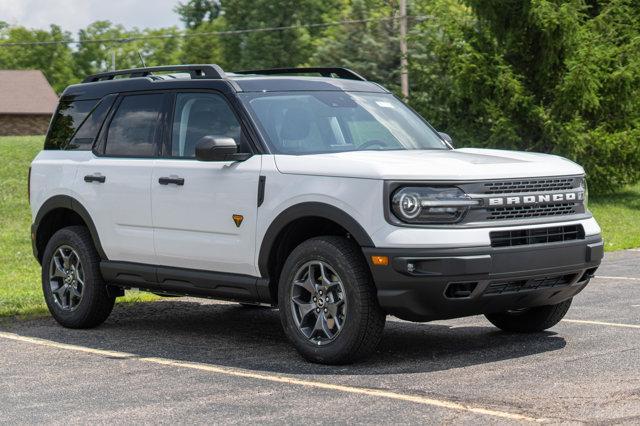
(213, 77)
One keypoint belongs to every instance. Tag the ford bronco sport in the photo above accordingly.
(322, 195)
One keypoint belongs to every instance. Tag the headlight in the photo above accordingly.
(426, 204)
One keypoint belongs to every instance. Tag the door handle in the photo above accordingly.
(95, 178)
(171, 180)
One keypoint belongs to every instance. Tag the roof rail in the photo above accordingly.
(206, 71)
(323, 71)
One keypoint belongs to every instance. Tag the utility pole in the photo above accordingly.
(404, 66)
(113, 59)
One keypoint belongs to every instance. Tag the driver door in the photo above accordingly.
(194, 202)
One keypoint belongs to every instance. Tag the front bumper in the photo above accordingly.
(430, 284)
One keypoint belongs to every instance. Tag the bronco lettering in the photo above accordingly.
(536, 199)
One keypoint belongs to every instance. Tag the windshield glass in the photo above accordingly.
(322, 122)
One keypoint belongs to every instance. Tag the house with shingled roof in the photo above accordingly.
(27, 102)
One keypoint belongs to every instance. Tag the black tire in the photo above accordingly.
(95, 305)
(531, 320)
(364, 319)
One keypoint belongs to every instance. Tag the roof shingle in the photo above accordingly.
(26, 92)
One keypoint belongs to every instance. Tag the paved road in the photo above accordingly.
(185, 360)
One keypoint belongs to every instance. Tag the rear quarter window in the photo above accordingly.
(66, 120)
(88, 131)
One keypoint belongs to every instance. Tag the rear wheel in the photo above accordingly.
(530, 320)
(328, 303)
(73, 287)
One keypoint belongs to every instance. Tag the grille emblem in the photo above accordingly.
(536, 199)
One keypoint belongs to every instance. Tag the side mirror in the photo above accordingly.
(210, 148)
(446, 137)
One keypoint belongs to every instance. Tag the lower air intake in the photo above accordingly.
(515, 286)
(522, 237)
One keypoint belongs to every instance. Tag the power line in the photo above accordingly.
(208, 33)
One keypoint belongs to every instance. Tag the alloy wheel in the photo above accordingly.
(318, 302)
(66, 278)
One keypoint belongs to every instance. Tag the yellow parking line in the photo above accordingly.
(603, 277)
(280, 379)
(610, 324)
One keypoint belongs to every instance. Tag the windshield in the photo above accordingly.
(323, 122)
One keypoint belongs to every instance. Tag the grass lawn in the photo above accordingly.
(20, 292)
(619, 216)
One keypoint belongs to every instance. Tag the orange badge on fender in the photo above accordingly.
(237, 218)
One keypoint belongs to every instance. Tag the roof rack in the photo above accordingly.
(323, 71)
(207, 71)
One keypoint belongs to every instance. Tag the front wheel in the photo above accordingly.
(73, 287)
(530, 320)
(328, 303)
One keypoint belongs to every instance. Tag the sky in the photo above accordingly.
(72, 15)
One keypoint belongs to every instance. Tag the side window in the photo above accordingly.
(298, 123)
(66, 120)
(198, 115)
(88, 131)
(135, 126)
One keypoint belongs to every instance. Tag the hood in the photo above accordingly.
(457, 164)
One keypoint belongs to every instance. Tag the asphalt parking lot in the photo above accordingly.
(187, 360)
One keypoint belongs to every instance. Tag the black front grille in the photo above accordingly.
(525, 199)
(524, 212)
(521, 237)
(515, 286)
(529, 185)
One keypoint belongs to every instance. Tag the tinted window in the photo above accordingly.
(198, 115)
(134, 129)
(88, 131)
(66, 120)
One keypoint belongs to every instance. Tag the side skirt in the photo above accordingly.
(186, 282)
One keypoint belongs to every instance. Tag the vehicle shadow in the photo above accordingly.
(233, 336)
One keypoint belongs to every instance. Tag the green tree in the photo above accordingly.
(597, 108)
(202, 46)
(543, 75)
(370, 47)
(193, 13)
(282, 48)
(54, 60)
(162, 46)
(94, 54)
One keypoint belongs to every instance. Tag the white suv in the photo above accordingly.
(325, 196)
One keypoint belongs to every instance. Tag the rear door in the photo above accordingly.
(204, 213)
(115, 181)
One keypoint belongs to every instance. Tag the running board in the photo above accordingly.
(186, 282)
